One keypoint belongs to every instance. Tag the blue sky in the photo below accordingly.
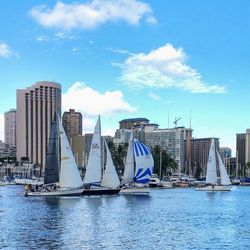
(131, 58)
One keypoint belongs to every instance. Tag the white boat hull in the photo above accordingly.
(214, 188)
(63, 192)
(135, 191)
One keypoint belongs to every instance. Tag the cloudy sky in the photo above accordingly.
(133, 58)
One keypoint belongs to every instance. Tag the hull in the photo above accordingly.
(70, 192)
(214, 188)
(101, 191)
(135, 191)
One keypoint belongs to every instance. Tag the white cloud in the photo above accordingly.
(1, 127)
(92, 14)
(154, 96)
(91, 103)
(164, 67)
(5, 50)
(42, 39)
(120, 51)
(62, 35)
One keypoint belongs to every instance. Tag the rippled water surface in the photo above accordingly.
(167, 219)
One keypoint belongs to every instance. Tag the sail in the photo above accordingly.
(69, 174)
(110, 178)
(52, 165)
(94, 167)
(129, 163)
(211, 176)
(144, 162)
(223, 173)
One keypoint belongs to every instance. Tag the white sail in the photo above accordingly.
(144, 162)
(211, 176)
(128, 175)
(223, 173)
(94, 167)
(110, 178)
(69, 175)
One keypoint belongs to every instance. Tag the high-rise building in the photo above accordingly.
(200, 152)
(36, 106)
(10, 127)
(225, 152)
(171, 139)
(247, 152)
(240, 154)
(72, 123)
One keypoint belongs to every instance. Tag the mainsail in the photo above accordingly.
(144, 162)
(223, 173)
(69, 174)
(94, 167)
(110, 178)
(52, 165)
(128, 176)
(211, 176)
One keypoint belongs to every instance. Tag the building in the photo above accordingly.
(171, 139)
(247, 152)
(36, 106)
(132, 122)
(240, 154)
(199, 155)
(230, 165)
(225, 152)
(10, 127)
(72, 123)
(10, 131)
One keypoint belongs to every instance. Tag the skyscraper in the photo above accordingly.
(10, 127)
(72, 123)
(36, 106)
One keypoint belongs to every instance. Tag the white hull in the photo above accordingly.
(59, 192)
(2, 183)
(135, 191)
(214, 188)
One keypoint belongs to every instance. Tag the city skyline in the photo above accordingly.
(124, 59)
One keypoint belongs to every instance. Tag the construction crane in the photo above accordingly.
(176, 120)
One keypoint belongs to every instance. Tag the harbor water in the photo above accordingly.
(166, 219)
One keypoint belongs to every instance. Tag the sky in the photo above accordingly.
(156, 59)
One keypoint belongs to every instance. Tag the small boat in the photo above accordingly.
(138, 168)
(97, 180)
(2, 183)
(154, 181)
(212, 183)
(61, 177)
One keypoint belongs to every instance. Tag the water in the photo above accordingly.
(167, 219)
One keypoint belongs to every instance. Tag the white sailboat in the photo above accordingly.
(96, 181)
(138, 168)
(212, 183)
(62, 177)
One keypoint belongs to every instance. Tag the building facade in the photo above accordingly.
(10, 127)
(225, 152)
(132, 122)
(36, 106)
(240, 154)
(72, 123)
(172, 140)
(199, 155)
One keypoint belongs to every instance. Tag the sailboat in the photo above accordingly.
(61, 177)
(212, 183)
(138, 168)
(96, 181)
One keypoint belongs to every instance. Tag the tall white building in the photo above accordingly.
(10, 127)
(171, 139)
(36, 106)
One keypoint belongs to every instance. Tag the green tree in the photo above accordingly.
(168, 165)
